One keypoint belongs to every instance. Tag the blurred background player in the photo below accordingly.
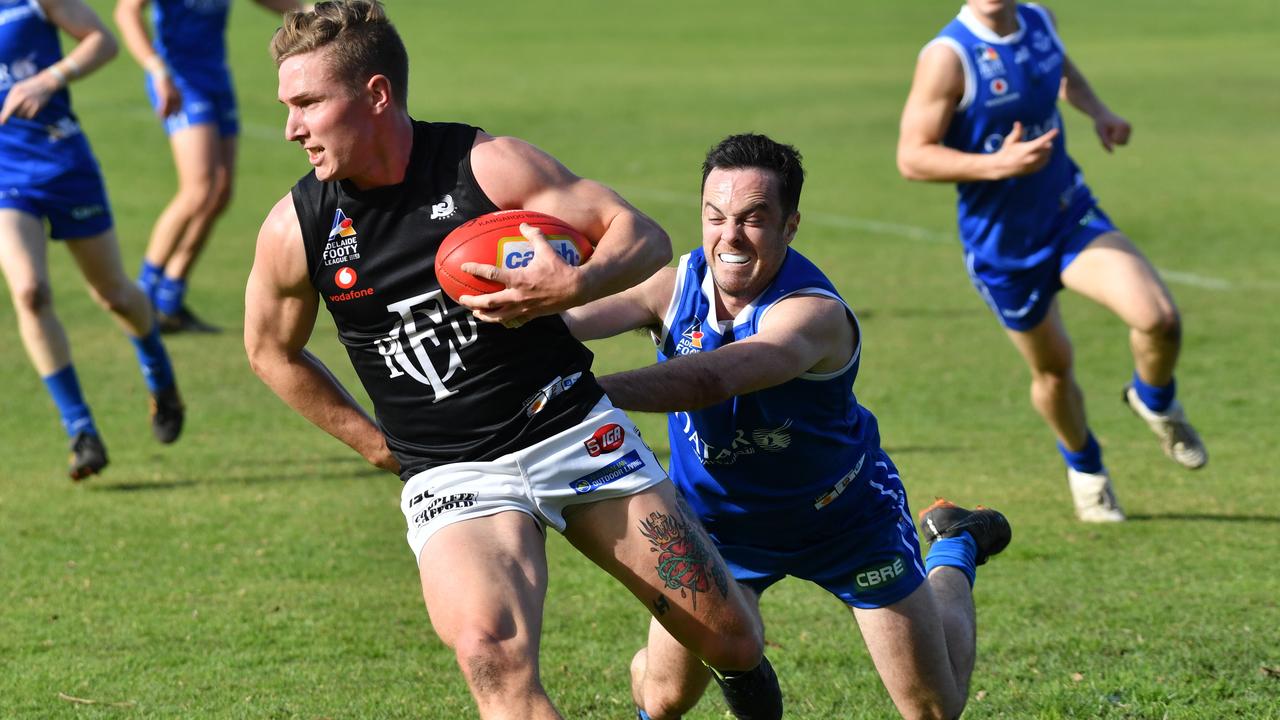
(48, 172)
(489, 423)
(758, 355)
(982, 113)
(190, 88)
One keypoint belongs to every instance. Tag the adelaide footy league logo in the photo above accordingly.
(691, 338)
(341, 246)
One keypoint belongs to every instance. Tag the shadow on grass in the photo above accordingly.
(1265, 519)
(334, 468)
(922, 449)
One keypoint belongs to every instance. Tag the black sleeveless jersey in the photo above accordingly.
(445, 387)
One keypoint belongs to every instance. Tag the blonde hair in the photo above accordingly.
(358, 39)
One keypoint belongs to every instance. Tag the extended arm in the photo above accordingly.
(95, 46)
(799, 334)
(633, 308)
(936, 90)
(629, 246)
(280, 312)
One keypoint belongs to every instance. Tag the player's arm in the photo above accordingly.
(280, 313)
(129, 15)
(95, 46)
(936, 91)
(629, 246)
(633, 308)
(1112, 129)
(800, 334)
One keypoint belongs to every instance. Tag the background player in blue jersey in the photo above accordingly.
(983, 113)
(190, 88)
(758, 356)
(48, 173)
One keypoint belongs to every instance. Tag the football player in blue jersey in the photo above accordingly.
(48, 173)
(758, 355)
(190, 88)
(983, 113)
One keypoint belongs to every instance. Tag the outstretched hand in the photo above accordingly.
(545, 286)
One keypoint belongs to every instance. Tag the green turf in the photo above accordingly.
(258, 570)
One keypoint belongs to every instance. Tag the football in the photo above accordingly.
(495, 239)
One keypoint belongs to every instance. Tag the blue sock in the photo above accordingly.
(642, 715)
(1157, 399)
(169, 295)
(148, 278)
(959, 552)
(1087, 459)
(156, 368)
(64, 387)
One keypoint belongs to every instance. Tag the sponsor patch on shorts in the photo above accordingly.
(615, 470)
(879, 575)
(440, 504)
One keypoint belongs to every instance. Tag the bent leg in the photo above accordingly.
(923, 646)
(484, 581)
(192, 242)
(198, 159)
(657, 549)
(98, 258)
(1112, 272)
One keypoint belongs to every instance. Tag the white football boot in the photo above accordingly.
(1178, 439)
(1094, 497)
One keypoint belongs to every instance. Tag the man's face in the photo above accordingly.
(992, 8)
(744, 232)
(326, 118)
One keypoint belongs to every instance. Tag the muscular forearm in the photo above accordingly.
(308, 387)
(657, 389)
(631, 250)
(938, 163)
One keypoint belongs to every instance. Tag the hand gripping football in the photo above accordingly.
(495, 239)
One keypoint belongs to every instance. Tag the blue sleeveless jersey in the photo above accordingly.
(1007, 223)
(45, 147)
(782, 467)
(190, 36)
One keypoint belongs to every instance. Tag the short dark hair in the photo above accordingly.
(359, 41)
(751, 150)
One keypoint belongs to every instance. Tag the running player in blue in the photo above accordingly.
(758, 355)
(48, 174)
(983, 113)
(190, 89)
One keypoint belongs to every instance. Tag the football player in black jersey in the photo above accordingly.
(487, 410)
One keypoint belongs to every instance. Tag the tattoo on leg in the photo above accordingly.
(685, 560)
(661, 606)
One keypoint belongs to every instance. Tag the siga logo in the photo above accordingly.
(345, 278)
(606, 439)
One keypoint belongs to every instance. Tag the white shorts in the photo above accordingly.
(603, 457)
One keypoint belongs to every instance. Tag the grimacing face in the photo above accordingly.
(744, 232)
(325, 116)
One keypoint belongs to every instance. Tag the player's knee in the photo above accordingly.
(33, 299)
(119, 299)
(1165, 325)
(736, 647)
(662, 705)
(495, 667)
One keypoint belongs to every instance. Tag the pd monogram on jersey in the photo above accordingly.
(421, 330)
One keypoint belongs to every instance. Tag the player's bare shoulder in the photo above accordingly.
(280, 257)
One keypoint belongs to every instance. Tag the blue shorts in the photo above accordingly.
(1022, 298)
(75, 203)
(210, 100)
(868, 564)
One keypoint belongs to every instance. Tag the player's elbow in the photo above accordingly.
(908, 168)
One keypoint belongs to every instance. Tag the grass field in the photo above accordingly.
(258, 570)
